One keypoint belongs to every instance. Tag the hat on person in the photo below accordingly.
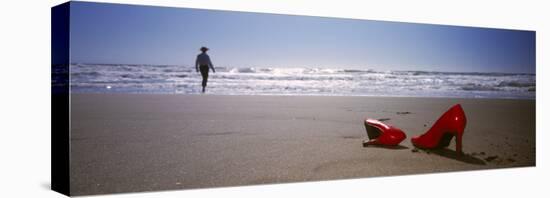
(204, 49)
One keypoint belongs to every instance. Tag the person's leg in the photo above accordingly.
(204, 73)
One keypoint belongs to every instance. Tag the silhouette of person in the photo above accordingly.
(203, 62)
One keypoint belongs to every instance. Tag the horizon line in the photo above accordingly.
(430, 71)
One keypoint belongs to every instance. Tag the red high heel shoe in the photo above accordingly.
(451, 123)
(382, 134)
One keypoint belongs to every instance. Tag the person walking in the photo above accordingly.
(204, 64)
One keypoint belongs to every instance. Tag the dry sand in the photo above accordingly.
(135, 142)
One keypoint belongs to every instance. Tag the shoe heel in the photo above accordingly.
(458, 141)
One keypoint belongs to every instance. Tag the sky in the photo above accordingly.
(130, 34)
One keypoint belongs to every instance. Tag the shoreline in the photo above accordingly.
(305, 95)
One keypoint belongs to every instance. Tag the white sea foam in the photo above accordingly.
(95, 78)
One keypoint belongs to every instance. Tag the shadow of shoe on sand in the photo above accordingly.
(451, 154)
(398, 147)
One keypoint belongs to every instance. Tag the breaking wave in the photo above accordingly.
(120, 78)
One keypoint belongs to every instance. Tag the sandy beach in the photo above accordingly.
(140, 142)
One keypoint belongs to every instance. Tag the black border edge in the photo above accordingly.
(60, 98)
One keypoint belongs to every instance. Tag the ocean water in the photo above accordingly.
(170, 79)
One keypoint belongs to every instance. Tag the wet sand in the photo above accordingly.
(138, 142)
